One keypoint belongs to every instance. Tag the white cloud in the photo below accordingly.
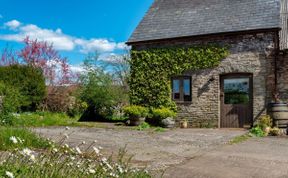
(59, 40)
(13, 24)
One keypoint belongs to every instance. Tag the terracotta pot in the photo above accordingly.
(184, 124)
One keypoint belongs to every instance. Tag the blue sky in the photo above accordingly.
(75, 27)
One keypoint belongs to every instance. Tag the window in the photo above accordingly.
(181, 88)
(236, 91)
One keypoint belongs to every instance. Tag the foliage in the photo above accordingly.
(275, 131)
(143, 126)
(135, 111)
(152, 69)
(41, 54)
(162, 113)
(240, 139)
(43, 119)
(257, 131)
(264, 121)
(28, 81)
(98, 89)
(11, 138)
(65, 161)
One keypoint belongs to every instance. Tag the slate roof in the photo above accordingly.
(182, 18)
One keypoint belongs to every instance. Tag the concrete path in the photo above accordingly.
(255, 158)
(156, 150)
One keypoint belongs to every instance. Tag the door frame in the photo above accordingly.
(221, 96)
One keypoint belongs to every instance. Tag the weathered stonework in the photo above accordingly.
(249, 53)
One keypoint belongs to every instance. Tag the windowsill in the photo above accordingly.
(183, 102)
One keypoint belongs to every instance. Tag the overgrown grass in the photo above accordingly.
(38, 119)
(240, 139)
(11, 138)
(61, 160)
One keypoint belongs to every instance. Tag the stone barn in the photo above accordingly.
(236, 92)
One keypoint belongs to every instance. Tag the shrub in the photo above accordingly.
(275, 131)
(135, 111)
(28, 81)
(162, 113)
(257, 131)
(264, 121)
(99, 91)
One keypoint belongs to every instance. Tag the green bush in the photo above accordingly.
(10, 102)
(135, 111)
(28, 80)
(162, 113)
(257, 131)
(265, 121)
(99, 91)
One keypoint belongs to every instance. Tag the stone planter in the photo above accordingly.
(136, 121)
(169, 122)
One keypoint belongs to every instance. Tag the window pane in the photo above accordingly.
(236, 91)
(187, 89)
(176, 89)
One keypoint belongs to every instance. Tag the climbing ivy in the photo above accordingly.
(151, 71)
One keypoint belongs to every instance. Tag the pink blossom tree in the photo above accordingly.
(42, 55)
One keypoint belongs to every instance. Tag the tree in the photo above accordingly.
(41, 54)
(98, 90)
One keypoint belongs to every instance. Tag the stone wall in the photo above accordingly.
(249, 53)
(282, 71)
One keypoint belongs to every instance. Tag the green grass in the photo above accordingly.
(39, 119)
(240, 139)
(30, 140)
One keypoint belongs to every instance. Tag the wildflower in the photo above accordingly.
(66, 146)
(67, 128)
(55, 150)
(104, 159)
(78, 150)
(97, 151)
(32, 158)
(9, 174)
(100, 148)
(91, 171)
(120, 169)
(26, 152)
(83, 143)
(13, 140)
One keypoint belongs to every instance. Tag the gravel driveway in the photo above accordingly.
(156, 150)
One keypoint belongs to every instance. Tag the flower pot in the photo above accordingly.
(184, 124)
(136, 121)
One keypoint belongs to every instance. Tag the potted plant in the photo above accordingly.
(164, 117)
(136, 114)
(184, 123)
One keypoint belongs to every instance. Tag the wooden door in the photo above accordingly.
(236, 100)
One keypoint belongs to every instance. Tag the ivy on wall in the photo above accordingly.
(151, 71)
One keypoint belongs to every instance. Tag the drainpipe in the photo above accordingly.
(277, 52)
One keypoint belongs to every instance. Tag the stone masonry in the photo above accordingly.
(249, 53)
